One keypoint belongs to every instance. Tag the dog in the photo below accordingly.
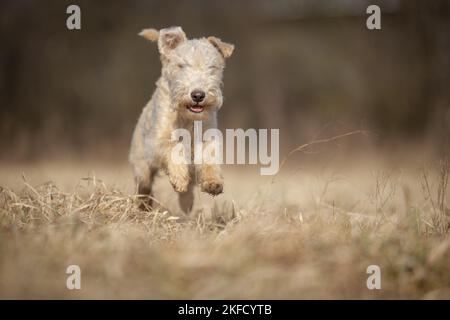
(189, 89)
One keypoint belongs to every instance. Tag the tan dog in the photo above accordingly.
(188, 90)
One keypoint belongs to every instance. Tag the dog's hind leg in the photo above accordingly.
(186, 199)
(144, 176)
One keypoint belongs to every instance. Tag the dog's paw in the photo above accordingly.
(180, 184)
(213, 187)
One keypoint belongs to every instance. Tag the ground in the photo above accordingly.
(309, 232)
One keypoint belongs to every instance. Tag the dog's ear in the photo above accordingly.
(168, 38)
(226, 49)
(150, 34)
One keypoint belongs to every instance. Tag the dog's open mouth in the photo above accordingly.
(196, 108)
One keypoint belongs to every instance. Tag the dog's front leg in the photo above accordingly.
(211, 179)
(179, 175)
(210, 176)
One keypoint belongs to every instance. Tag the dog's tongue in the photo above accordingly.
(196, 108)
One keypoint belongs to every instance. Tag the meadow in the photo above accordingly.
(309, 232)
(70, 100)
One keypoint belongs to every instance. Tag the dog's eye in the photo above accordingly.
(213, 69)
(181, 65)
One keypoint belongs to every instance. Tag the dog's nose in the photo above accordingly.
(197, 95)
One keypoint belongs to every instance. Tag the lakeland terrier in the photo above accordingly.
(188, 90)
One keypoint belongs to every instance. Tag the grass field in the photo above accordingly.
(310, 232)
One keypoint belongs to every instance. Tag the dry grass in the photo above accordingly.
(307, 234)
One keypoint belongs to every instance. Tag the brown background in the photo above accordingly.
(310, 68)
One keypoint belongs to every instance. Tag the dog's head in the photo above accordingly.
(193, 69)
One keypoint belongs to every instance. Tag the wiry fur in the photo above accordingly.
(187, 65)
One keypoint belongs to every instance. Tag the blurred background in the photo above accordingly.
(308, 67)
